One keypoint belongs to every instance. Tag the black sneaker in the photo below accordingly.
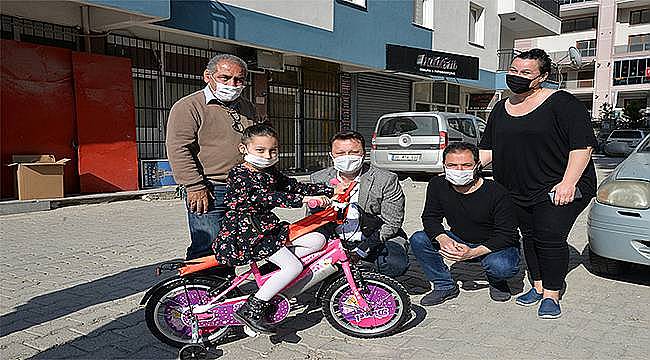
(499, 291)
(436, 297)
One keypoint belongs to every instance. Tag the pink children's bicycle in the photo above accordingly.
(194, 311)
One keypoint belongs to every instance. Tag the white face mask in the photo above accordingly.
(260, 162)
(348, 164)
(227, 93)
(460, 177)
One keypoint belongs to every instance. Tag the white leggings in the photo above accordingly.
(287, 259)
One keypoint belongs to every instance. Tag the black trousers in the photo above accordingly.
(545, 229)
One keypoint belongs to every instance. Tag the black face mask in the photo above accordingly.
(519, 84)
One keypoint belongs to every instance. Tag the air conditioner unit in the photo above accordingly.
(270, 60)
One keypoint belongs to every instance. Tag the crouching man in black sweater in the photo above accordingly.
(482, 225)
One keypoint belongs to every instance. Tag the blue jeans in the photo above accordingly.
(499, 266)
(205, 227)
(390, 258)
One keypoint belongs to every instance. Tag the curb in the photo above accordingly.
(26, 206)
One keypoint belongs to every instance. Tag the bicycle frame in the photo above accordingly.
(314, 264)
(332, 254)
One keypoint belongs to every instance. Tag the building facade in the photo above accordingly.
(316, 66)
(613, 38)
(485, 29)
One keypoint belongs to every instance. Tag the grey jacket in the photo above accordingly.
(379, 194)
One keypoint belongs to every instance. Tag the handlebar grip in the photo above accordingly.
(314, 203)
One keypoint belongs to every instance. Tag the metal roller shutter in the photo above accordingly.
(378, 95)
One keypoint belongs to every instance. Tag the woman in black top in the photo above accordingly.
(539, 142)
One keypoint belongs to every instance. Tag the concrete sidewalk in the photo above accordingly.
(25, 206)
(71, 280)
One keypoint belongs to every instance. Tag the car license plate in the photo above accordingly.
(409, 157)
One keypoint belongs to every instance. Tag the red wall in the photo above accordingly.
(37, 108)
(108, 157)
(54, 100)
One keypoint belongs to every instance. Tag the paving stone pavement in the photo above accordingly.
(71, 280)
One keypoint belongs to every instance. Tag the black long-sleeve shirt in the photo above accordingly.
(485, 216)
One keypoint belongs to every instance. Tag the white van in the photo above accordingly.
(414, 141)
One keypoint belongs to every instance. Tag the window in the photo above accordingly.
(481, 127)
(422, 107)
(412, 125)
(453, 94)
(466, 126)
(440, 93)
(579, 24)
(586, 47)
(630, 72)
(438, 96)
(638, 42)
(423, 13)
(422, 92)
(476, 25)
(626, 134)
(640, 17)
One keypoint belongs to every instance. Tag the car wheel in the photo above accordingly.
(603, 265)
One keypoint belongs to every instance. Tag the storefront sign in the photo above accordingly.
(430, 63)
(480, 101)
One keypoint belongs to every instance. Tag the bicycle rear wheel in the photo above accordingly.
(168, 312)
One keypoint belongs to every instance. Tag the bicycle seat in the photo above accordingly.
(202, 263)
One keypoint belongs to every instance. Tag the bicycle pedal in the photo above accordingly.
(250, 332)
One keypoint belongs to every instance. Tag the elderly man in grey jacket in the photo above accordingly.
(374, 225)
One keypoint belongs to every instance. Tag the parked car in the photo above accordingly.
(601, 139)
(414, 141)
(622, 142)
(619, 219)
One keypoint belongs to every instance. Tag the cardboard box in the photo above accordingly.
(38, 176)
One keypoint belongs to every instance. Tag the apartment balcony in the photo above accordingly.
(578, 86)
(625, 4)
(578, 7)
(623, 51)
(530, 18)
(505, 58)
(633, 73)
(551, 6)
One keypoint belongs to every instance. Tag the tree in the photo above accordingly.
(606, 115)
(633, 112)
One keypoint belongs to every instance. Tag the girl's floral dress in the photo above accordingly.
(249, 230)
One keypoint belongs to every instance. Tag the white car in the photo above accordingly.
(619, 219)
(622, 142)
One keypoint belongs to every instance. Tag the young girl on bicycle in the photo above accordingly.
(250, 231)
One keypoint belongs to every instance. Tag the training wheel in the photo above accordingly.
(250, 332)
(193, 351)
